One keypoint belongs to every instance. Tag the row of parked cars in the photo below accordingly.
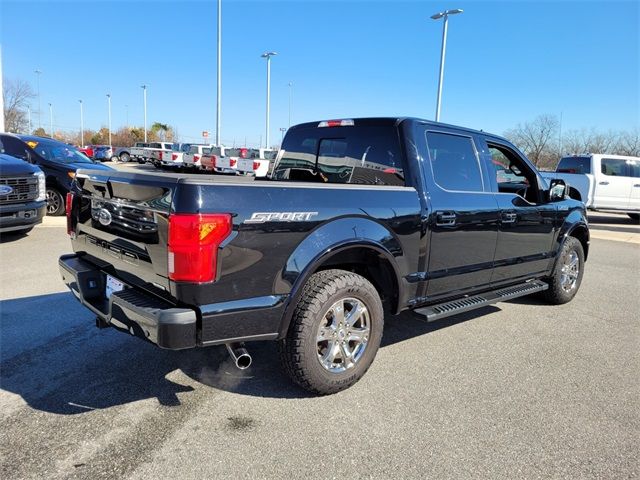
(36, 173)
(199, 157)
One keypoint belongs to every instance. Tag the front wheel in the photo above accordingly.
(125, 157)
(567, 273)
(55, 202)
(335, 332)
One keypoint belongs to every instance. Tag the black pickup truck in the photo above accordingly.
(357, 219)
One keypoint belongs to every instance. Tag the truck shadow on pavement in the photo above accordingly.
(53, 357)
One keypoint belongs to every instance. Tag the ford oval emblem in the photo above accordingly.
(104, 216)
(5, 189)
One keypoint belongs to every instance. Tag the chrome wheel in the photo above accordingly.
(343, 335)
(570, 271)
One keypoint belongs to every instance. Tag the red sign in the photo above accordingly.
(205, 134)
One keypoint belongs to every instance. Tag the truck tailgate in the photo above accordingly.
(121, 222)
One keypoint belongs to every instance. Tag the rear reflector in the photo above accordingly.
(68, 210)
(194, 240)
(336, 123)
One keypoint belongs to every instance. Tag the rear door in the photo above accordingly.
(463, 221)
(613, 184)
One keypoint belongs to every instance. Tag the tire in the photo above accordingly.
(311, 362)
(125, 157)
(634, 216)
(565, 280)
(55, 202)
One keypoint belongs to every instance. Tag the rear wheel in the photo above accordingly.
(634, 216)
(334, 333)
(125, 157)
(55, 202)
(567, 273)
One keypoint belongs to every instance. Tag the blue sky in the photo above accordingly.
(507, 62)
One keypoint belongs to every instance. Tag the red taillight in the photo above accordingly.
(256, 166)
(174, 156)
(196, 158)
(233, 162)
(68, 209)
(159, 155)
(214, 159)
(193, 245)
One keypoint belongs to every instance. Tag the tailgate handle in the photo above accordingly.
(445, 219)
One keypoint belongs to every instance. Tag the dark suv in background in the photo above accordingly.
(57, 160)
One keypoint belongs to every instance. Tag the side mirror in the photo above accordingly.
(558, 190)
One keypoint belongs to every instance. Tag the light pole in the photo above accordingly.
(268, 56)
(438, 16)
(29, 116)
(51, 120)
(38, 73)
(109, 107)
(219, 88)
(290, 97)
(282, 130)
(144, 101)
(81, 125)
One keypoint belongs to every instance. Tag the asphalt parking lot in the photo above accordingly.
(520, 390)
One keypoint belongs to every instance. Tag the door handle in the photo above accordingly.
(445, 219)
(637, 185)
(603, 183)
(509, 217)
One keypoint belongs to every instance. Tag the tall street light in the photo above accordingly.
(282, 130)
(29, 118)
(109, 107)
(438, 16)
(51, 120)
(38, 73)
(219, 88)
(290, 95)
(268, 56)
(81, 125)
(144, 101)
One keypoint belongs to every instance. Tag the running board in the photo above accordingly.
(446, 309)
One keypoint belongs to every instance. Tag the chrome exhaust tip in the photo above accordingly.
(239, 354)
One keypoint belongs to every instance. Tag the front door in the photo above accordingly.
(464, 219)
(527, 222)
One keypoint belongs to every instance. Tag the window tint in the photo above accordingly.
(14, 147)
(634, 166)
(574, 165)
(365, 154)
(613, 167)
(454, 162)
(506, 171)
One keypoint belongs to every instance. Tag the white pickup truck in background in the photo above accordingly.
(176, 157)
(605, 182)
(156, 151)
(257, 161)
(192, 158)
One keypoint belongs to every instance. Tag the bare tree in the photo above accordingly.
(536, 139)
(629, 143)
(17, 94)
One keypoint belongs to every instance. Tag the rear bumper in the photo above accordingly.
(165, 324)
(20, 216)
(130, 310)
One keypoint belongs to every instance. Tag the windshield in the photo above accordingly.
(57, 151)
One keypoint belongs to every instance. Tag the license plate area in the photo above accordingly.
(113, 285)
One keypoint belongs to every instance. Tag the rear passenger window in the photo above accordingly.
(634, 165)
(366, 154)
(454, 162)
(614, 167)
